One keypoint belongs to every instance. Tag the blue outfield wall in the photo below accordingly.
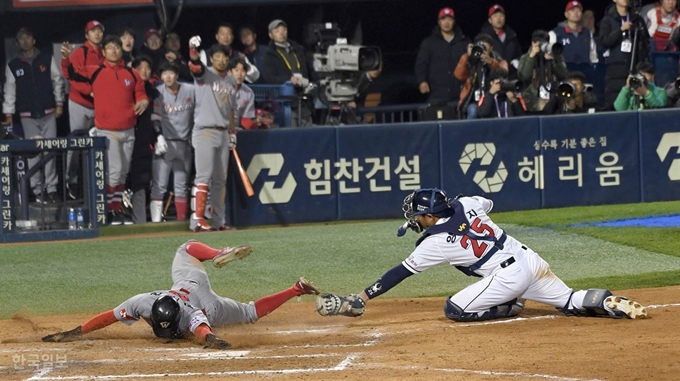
(363, 172)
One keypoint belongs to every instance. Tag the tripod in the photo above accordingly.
(345, 113)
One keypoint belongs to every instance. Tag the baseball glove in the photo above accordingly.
(61, 337)
(333, 305)
(214, 342)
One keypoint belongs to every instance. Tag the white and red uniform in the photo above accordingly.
(661, 27)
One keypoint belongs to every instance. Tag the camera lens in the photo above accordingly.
(369, 59)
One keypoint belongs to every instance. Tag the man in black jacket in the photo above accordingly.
(505, 41)
(284, 62)
(616, 35)
(437, 58)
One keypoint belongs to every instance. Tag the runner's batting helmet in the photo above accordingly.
(165, 314)
(424, 201)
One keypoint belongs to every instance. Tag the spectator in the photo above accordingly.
(580, 46)
(153, 48)
(579, 102)
(505, 41)
(215, 100)
(284, 61)
(172, 46)
(640, 91)
(34, 88)
(121, 97)
(473, 70)
(662, 21)
(500, 101)
(176, 106)
(80, 101)
(245, 97)
(127, 37)
(436, 57)
(540, 70)
(616, 35)
(588, 21)
(225, 37)
(253, 51)
(148, 138)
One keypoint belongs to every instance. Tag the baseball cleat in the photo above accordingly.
(229, 254)
(304, 286)
(202, 226)
(625, 307)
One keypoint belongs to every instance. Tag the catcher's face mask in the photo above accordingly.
(422, 201)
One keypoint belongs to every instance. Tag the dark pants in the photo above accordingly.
(615, 79)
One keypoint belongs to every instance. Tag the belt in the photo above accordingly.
(508, 262)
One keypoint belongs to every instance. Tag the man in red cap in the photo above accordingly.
(437, 59)
(80, 101)
(153, 48)
(505, 40)
(580, 46)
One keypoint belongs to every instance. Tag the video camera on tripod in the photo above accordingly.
(340, 64)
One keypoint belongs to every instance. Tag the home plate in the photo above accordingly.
(217, 355)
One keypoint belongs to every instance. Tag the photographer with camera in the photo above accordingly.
(540, 69)
(640, 92)
(501, 101)
(624, 35)
(673, 92)
(473, 69)
(571, 97)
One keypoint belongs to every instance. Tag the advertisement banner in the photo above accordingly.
(292, 175)
(379, 165)
(660, 155)
(493, 159)
(590, 159)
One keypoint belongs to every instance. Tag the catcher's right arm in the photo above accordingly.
(333, 305)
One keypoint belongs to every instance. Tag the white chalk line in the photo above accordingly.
(40, 375)
(347, 361)
(509, 374)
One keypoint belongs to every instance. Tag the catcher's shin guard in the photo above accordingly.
(200, 193)
(181, 207)
(156, 209)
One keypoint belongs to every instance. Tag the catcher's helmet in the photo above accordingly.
(165, 315)
(424, 201)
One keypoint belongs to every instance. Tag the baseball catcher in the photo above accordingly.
(190, 307)
(458, 231)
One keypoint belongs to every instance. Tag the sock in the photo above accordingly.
(267, 304)
(110, 192)
(98, 322)
(181, 207)
(201, 251)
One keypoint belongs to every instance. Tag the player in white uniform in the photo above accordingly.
(190, 306)
(460, 233)
(176, 106)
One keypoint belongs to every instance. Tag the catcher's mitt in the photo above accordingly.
(333, 305)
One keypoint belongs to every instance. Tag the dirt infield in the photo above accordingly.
(397, 339)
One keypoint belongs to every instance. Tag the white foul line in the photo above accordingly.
(347, 361)
(514, 374)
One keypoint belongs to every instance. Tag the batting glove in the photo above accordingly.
(92, 132)
(195, 42)
(161, 145)
(232, 141)
(214, 342)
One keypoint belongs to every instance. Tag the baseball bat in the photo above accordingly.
(167, 204)
(244, 176)
(247, 185)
